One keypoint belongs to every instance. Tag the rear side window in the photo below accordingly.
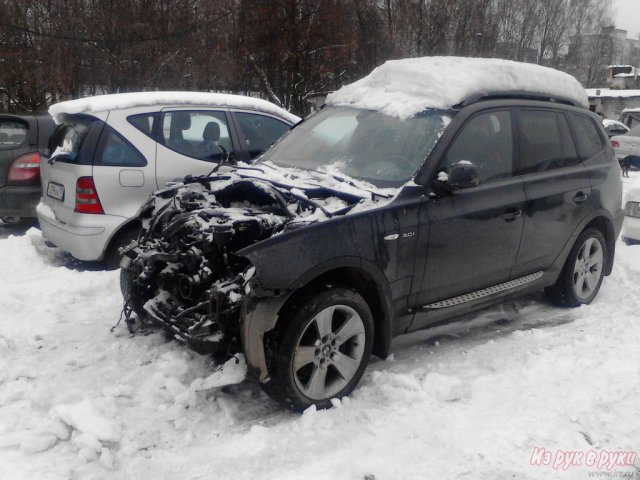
(13, 133)
(113, 150)
(259, 132)
(144, 122)
(545, 141)
(588, 136)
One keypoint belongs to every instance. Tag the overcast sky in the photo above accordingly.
(628, 16)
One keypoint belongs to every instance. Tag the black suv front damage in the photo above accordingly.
(184, 271)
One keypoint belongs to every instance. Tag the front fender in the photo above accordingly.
(290, 261)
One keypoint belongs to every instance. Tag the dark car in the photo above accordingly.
(23, 141)
(380, 215)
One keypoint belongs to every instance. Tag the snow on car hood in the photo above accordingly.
(310, 196)
(406, 87)
(101, 103)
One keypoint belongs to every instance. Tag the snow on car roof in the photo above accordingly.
(405, 87)
(118, 101)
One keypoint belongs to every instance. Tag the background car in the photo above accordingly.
(627, 148)
(630, 117)
(110, 152)
(23, 141)
(614, 128)
(631, 225)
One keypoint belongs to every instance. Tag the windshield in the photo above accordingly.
(13, 133)
(366, 145)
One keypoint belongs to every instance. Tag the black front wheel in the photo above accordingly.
(323, 349)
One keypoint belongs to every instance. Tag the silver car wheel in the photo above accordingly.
(588, 268)
(328, 352)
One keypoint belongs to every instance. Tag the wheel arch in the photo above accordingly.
(375, 292)
(605, 226)
(126, 228)
(261, 315)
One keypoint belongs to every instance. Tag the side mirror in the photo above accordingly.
(463, 174)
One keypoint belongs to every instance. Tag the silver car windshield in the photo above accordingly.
(366, 145)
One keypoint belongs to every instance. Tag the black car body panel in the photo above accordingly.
(20, 200)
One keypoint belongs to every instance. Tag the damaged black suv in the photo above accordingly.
(362, 224)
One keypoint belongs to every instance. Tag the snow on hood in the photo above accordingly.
(323, 195)
(327, 178)
(101, 103)
(405, 87)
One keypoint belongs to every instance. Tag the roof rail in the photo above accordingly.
(515, 94)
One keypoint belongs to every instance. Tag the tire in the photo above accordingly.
(312, 363)
(122, 239)
(126, 282)
(583, 271)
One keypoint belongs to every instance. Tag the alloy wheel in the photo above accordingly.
(588, 268)
(329, 352)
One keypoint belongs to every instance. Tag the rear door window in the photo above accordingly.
(113, 150)
(203, 135)
(259, 132)
(588, 136)
(545, 141)
(13, 133)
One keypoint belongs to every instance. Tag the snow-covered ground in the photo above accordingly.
(476, 400)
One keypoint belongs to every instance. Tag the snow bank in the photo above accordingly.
(405, 87)
(466, 401)
(100, 103)
(84, 417)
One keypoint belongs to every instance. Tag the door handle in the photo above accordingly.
(511, 214)
(580, 197)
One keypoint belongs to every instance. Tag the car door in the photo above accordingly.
(473, 234)
(192, 142)
(556, 184)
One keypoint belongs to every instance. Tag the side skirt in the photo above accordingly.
(448, 310)
(485, 292)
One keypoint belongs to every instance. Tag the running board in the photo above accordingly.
(485, 292)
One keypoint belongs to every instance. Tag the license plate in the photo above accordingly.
(55, 190)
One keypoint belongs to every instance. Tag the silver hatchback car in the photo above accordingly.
(110, 152)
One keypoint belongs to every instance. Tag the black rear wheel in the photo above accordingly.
(323, 349)
(583, 272)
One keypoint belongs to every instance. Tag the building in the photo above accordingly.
(621, 77)
(611, 102)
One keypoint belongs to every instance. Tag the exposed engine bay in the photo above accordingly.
(184, 272)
